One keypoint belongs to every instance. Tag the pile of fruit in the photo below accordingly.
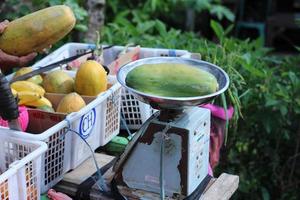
(90, 80)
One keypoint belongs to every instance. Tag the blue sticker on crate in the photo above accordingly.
(91, 46)
(172, 53)
(87, 123)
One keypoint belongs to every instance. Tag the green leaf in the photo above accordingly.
(218, 29)
(81, 27)
(146, 26)
(153, 4)
(161, 27)
(199, 5)
(55, 2)
(24, 10)
(229, 29)
(221, 11)
(228, 14)
(246, 62)
(283, 110)
(294, 79)
(226, 114)
(265, 193)
(297, 110)
(272, 102)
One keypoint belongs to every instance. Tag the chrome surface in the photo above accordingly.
(160, 102)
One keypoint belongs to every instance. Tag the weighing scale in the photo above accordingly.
(169, 154)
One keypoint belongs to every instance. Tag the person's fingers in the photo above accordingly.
(7, 60)
(25, 59)
(3, 25)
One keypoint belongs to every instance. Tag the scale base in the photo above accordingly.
(186, 150)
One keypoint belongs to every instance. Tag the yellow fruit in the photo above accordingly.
(27, 96)
(91, 79)
(27, 86)
(14, 92)
(70, 103)
(37, 31)
(40, 102)
(58, 81)
(37, 79)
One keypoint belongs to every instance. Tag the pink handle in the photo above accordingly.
(219, 112)
(23, 118)
(53, 195)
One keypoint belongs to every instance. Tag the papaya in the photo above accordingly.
(58, 81)
(72, 102)
(90, 79)
(37, 31)
(171, 80)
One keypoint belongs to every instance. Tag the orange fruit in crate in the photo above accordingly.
(58, 81)
(70, 103)
(91, 79)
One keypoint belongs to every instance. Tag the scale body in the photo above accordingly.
(186, 154)
(169, 154)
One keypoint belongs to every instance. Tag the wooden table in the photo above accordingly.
(220, 188)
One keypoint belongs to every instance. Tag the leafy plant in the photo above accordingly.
(263, 144)
(214, 7)
(171, 11)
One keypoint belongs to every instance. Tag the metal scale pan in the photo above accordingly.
(159, 102)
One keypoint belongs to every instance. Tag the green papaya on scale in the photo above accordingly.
(172, 80)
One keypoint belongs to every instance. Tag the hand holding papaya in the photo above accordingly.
(6, 60)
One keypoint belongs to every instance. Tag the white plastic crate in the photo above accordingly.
(98, 123)
(65, 149)
(102, 114)
(20, 167)
(134, 112)
(57, 159)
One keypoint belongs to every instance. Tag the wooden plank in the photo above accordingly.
(209, 184)
(222, 188)
(74, 178)
(86, 169)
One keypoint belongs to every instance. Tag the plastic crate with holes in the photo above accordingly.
(20, 167)
(134, 112)
(98, 122)
(56, 160)
(113, 95)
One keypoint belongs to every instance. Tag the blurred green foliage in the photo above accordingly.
(263, 147)
(264, 138)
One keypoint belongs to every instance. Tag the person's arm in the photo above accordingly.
(7, 61)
